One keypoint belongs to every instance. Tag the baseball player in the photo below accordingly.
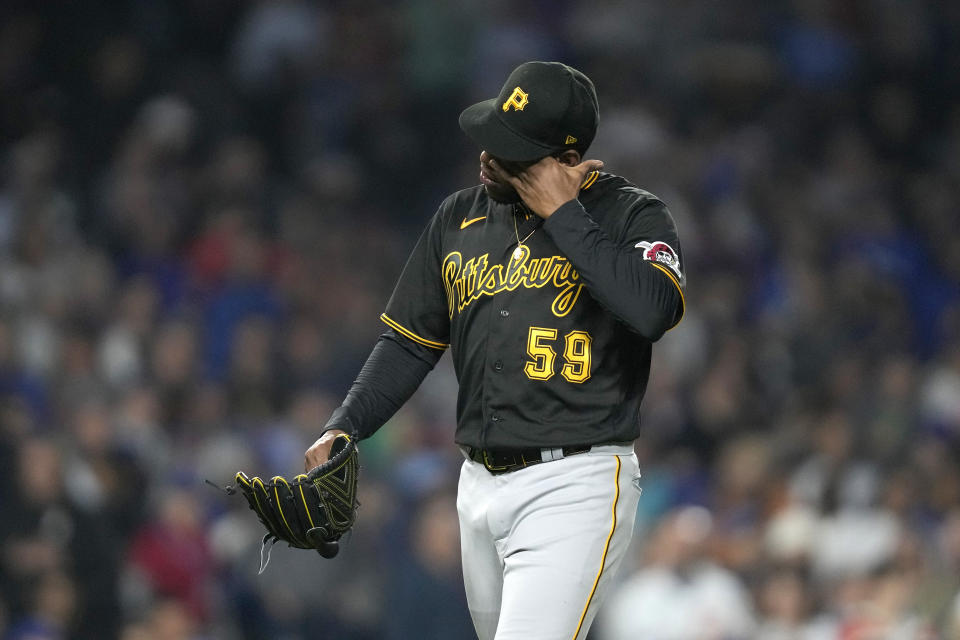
(548, 282)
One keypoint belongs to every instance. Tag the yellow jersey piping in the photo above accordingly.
(673, 278)
(393, 324)
(590, 180)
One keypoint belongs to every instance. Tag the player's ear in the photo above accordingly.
(570, 157)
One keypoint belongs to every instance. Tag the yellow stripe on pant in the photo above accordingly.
(606, 547)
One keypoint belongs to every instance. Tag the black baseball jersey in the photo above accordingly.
(551, 343)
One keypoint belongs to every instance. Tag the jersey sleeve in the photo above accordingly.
(651, 233)
(618, 277)
(418, 307)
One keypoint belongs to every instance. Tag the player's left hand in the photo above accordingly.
(548, 184)
(319, 451)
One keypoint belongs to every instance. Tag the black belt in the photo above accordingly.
(499, 461)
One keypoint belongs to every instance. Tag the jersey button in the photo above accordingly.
(504, 313)
(498, 365)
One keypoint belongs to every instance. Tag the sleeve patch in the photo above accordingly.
(661, 253)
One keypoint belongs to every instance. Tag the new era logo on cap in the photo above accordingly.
(542, 109)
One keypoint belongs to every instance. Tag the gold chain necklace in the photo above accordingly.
(518, 252)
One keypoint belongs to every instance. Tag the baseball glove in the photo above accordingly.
(311, 511)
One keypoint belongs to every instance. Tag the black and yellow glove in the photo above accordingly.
(313, 510)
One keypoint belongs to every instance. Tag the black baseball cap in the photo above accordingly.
(543, 108)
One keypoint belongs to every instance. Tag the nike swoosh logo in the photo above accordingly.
(466, 223)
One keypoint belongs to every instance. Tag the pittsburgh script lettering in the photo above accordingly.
(468, 281)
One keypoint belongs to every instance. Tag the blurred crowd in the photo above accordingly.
(204, 205)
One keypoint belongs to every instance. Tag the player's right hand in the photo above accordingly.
(319, 451)
(550, 183)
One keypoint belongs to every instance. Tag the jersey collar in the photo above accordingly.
(589, 180)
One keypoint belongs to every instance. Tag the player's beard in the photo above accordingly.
(502, 193)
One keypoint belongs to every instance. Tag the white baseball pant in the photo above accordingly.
(541, 545)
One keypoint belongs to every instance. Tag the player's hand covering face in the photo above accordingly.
(495, 179)
(546, 185)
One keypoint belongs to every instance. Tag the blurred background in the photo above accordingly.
(204, 205)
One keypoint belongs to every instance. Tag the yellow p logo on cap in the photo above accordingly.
(518, 100)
